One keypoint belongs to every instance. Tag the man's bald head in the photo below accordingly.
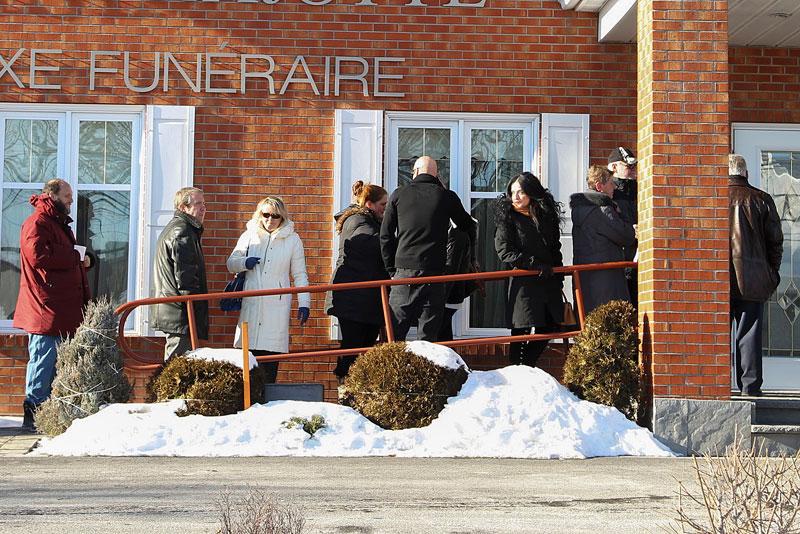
(426, 165)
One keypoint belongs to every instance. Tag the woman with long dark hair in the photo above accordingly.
(359, 310)
(528, 237)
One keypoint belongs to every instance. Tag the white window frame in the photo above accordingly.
(460, 167)
(69, 117)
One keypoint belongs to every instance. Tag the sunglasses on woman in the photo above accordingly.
(271, 215)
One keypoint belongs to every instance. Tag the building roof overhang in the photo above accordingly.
(773, 23)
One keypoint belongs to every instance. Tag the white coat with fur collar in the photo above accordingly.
(281, 255)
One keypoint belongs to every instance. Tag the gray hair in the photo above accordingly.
(737, 165)
(184, 196)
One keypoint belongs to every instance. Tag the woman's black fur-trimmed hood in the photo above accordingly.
(349, 212)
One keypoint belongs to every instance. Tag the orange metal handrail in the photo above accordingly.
(125, 309)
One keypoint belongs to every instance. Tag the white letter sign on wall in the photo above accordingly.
(143, 72)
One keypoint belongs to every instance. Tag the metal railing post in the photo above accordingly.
(387, 314)
(246, 365)
(576, 284)
(192, 325)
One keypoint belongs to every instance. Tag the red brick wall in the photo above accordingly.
(765, 84)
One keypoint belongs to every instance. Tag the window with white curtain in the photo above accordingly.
(119, 204)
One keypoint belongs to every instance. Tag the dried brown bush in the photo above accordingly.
(741, 492)
(258, 512)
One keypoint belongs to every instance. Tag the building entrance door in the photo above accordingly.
(773, 162)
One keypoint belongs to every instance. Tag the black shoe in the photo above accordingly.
(27, 420)
(752, 393)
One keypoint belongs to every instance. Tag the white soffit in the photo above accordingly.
(764, 23)
(617, 21)
(750, 22)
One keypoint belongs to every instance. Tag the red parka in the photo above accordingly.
(53, 287)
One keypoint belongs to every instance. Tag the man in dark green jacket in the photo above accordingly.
(181, 270)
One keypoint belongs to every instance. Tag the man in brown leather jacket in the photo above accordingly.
(755, 259)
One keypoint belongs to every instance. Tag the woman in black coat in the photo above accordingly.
(528, 237)
(359, 310)
(599, 234)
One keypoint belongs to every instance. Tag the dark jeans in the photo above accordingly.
(528, 352)
(354, 335)
(446, 330)
(746, 321)
(270, 368)
(422, 304)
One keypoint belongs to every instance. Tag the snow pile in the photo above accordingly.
(438, 354)
(515, 412)
(233, 356)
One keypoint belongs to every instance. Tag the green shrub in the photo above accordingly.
(209, 387)
(603, 366)
(396, 389)
(89, 371)
(310, 426)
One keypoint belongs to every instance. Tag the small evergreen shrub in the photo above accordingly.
(89, 371)
(209, 387)
(603, 365)
(395, 388)
(310, 426)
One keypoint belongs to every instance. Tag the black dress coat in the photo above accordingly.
(523, 244)
(599, 235)
(359, 261)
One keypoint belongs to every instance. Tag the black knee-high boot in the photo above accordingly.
(516, 351)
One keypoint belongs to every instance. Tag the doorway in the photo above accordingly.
(772, 152)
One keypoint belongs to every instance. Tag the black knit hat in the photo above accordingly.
(622, 154)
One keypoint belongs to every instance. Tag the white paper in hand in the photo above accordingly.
(81, 250)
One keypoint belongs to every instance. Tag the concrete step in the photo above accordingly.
(772, 440)
(774, 410)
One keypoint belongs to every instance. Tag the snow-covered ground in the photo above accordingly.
(515, 412)
(10, 421)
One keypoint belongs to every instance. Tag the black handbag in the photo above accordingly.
(237, 284)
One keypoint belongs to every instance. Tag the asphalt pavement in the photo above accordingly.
(343, 495)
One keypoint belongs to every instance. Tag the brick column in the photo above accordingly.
(683, 142)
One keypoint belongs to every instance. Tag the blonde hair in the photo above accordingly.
(184, 196)
(597, 175)
(276, 205)
(367, 193)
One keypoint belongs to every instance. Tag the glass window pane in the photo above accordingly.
(483, 162)
(30, 150)
(16, 209)
(103, 227)
(510, 155)
(415, 142)
(496, 157)
(104, 152)
(487, 311)
(782, 311)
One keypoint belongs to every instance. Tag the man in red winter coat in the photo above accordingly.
(53, 288)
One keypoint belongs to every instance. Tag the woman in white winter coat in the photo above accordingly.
(270, 251)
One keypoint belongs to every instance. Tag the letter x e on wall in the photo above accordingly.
(7, 67)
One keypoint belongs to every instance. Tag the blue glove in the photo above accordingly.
(251, 262)
(302, 314)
